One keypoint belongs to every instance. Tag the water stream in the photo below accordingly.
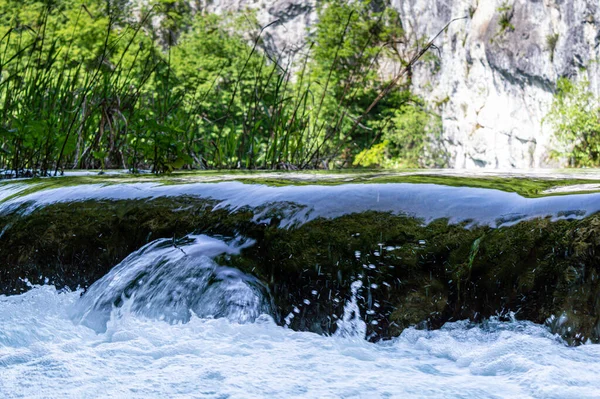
(171, 280)
(175, 319)
(44, 354)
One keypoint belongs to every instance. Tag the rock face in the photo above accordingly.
(287, 36)
(496, 70)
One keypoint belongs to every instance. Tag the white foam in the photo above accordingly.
(44, 355)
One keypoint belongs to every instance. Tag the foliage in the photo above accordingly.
(575, 119)
(472, 9)
(506, 14)
(377, 155)
(551, 41)
(360, 37)
(98, 84)
(408, 140)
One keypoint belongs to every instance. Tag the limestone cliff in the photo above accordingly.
(496, 70)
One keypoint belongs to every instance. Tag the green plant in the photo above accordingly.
(84, 84)
(472, 10)
(575, 118)
(371, 139)
(377, 155)
(506, 14)
(551, 41)
(411, 139)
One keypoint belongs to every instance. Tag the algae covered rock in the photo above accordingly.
(425, 254)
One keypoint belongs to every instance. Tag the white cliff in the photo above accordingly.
(495, 85)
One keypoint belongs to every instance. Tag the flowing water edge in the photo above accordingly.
(170, 322)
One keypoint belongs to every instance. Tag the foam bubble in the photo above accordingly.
(44, 354)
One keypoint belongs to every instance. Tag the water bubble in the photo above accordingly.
(288, 319)
(306, 301)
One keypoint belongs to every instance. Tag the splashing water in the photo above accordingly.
(44, 355)
(169, 281)
(352, 325)
(169, 321)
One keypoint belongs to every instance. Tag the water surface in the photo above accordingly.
(43, 354)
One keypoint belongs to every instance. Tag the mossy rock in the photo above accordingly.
(414, 274)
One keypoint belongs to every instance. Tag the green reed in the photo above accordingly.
(129, 107)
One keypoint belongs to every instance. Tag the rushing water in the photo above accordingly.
(425, 201)
(170, 281)
(146, 330)
(44, 354)
(170, 321)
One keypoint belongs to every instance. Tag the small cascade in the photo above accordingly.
(429, 248)
(169, 281)
(352, 325)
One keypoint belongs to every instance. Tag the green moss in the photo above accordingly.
(551, 41)
(76, 243)
(427, 275)
(413, 274)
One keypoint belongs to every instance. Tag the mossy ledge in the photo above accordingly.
(414, 274)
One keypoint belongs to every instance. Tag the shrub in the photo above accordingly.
(575, 119)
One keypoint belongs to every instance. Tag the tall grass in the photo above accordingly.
(128, 108)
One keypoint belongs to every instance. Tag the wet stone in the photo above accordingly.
(414, 271)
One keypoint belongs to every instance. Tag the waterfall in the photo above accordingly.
(169, 280)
